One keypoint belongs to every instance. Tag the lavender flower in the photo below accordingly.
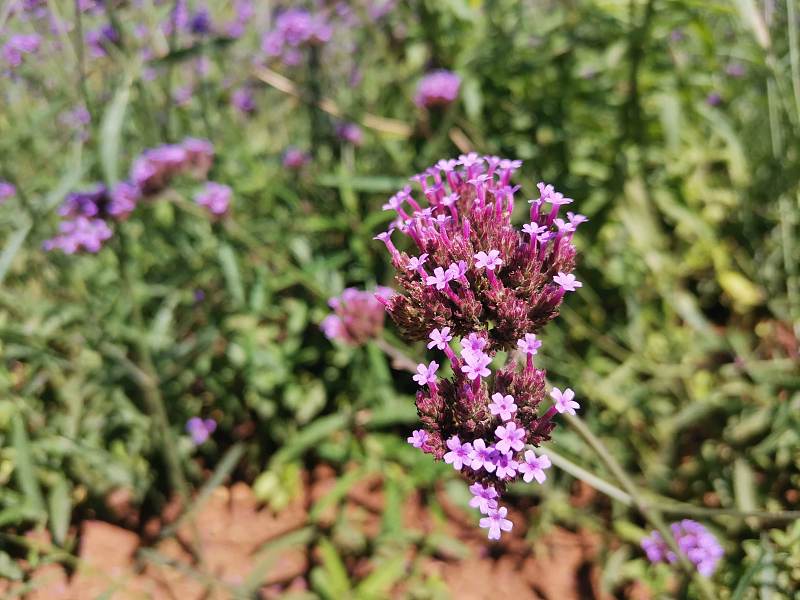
(215, 197)
(426, 374)
(496, 522)
(294, 29)
(483, 497)
(200, 429)
(564, 401)
(477, 277)
(350, 133)
(694, 541)
(242, 99)
(358, 315)
(437, 88)
(80, 233)
(295, 159)
(18, 45)
(124, 198)
(7, 190)
(418, 438)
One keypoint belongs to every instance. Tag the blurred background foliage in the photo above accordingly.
(673, 123)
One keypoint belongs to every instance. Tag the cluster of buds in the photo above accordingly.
(86, 214)
(478, 278)
(695, 541)
(357, 317)
(295, 29)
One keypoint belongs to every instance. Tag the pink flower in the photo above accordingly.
(563, 401)
(215, 197)
(415, 263)
(459, 453)
(503, 406)
(533, 229)
(483, 498)
(473, 343)
(477, 363)
(439, 338)
(567, 281)
(511, 437)
(426, 374)
(533, 467)
(529, 344)
(440, 278)
(437, 88)
(488, 261)
(482, 456)
(496, 522)
(418, 438)
(505, 465)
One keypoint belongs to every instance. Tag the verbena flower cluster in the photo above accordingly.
(358, 315)
(437, 88)
(87, 214)
(7, 190)
(294, 30)
(693, 539)
(475, 277)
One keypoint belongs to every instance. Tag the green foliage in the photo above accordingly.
(682, 345)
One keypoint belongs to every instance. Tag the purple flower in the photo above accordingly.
(295, 159)
(459, 453)
(80, 233)
(242, 99)
(505, 465)
(694, 541)
(437, 88)
(529, 344)
(350, 133)
(735, 69)
(295, 28)
(415, 263)
(427, 374)
(124, 197)
(482, 456)
(563, 401)
(473, 343)
(503, 406)
(200, 22)
(476, 365)
(215, 197)
(440, 278)
(714, 99)
(488, 261)
(533, 229)
(576, 219)
(200, 429)
(483, 497)
(496, 522)
(533, 467)
(359, 315)
(7, 190)
(567, 281)
(418, 438)
(457, 270)
(439, 338)
(510, 437)
(198, 157)
(18, 45)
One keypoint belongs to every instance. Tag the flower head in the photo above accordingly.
(483, 497)
(295, 159)
(215, 197)
(200, 429)
(477, 364)
(358, 315)
(495, 522)
(7, 191)
(440, 338)
(459, 453)
(437, 88)
(489, 260)
(529, 344)
(533, 467)
(426, 374)
(564, 401)
(567, 281)
(482, 456)
(510, 437)
(503, 406)
(418, 438)
(694, 541)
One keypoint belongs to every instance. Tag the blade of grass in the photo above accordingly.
(24, 469)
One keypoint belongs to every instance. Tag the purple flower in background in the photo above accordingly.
(18, 45)
(295, 159)
(459, 453)
(98, 40)
(496, 522)
(503, 406)
(7, 190)
(693, 539)
(350, 133)
(418, 438)
(358, 315)
(243, 100)
(564, 401)
(437, 88)
(714, 99)
(124, 197)
(200, 429)
(200, 22)
(80, 233)
(735, 69)
(198, 157)
(483, 497)
(216, 197)
(91, 203)
(533, 467)
(295, 28)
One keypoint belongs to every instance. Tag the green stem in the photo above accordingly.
(648, 510)
(80, 58)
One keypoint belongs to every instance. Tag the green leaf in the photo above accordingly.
(111, 131)
(380, 582)
(60, 504)
(230, 269)
(12, 247)
(24, 471)
(337, 583)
